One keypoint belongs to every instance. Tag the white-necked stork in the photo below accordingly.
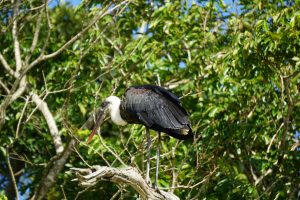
(152, 106)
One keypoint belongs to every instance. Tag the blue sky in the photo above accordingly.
(76, 2)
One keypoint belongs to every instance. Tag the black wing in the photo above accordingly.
(156, 108)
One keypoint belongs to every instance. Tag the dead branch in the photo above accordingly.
(126, 175)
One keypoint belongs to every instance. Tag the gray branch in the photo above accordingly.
(20, 90)
(52, 170)
(43, 107)
(6, 65)
(15, 37)
(73, 39)
(56, 164)
(126, 175)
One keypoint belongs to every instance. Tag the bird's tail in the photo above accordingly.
(181, 134)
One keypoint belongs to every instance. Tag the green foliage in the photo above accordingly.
(238, 75)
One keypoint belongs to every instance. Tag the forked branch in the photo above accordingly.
(127, 175)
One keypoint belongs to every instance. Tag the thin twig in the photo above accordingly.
(80, 156)
(199, 183)
(12, 176)
(82, 191)
(274, 136)
(21, 117)
(72, 40)
(111, 151)
(63, 191)
(267, 172)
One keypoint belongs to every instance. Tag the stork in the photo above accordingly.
(152, 106)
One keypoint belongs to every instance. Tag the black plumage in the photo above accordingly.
(157, 109)
(154, 107)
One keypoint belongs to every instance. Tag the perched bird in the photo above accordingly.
(152, 106)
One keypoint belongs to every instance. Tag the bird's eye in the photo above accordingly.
(104, 104)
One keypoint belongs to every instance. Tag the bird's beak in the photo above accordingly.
(99, 120)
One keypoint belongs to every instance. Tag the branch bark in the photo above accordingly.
(43, 107)
(15, 37)
(52, 170)
(12, 176)
(126, 175)
(72, 40)
(6, 65)
(8, 100)
(57, 163)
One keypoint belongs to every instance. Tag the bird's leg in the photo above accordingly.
(157, 162)
(148, 156)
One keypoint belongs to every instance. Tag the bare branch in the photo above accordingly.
(15, 37)
(273, 138)
(52, 170)
(21, 117)
(286, 119)
(20, 90)
(72, 40)
(296, 145)
(12, 176)
(6, 65)
(55, 166)
(111, 151)
(126, 175)
(4, 87)
(263, 176)
(35, 38)
(11, 97)
(46, 41)
(43, 107)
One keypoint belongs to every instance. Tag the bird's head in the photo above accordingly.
(112, 102)
(107, 105)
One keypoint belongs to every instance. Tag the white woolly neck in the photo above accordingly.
(114, 110)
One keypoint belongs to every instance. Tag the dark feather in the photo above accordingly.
(156, 108)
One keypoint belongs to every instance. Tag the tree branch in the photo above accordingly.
(15, 92)
(43, 107)
(126, 175)
(20, 90)
(15, 37)
(57, 163)
(12, 175)
(6, 65)
(35, 38)
(72, 40)
(6, 102)
(52, 170)
(4, 87)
